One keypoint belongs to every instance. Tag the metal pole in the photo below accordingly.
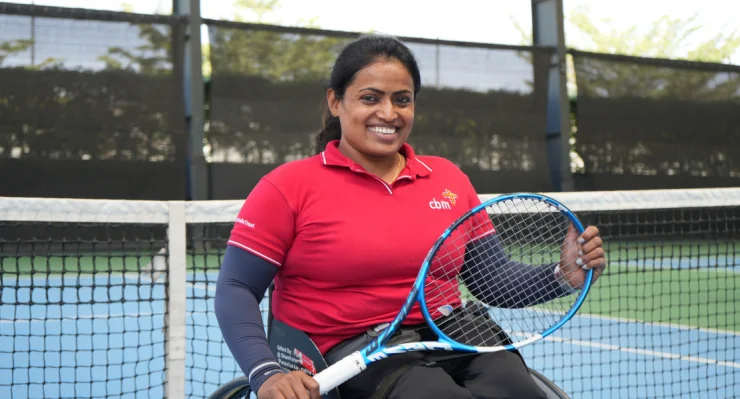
(437, 66)
(33, 37)
(194, 87)
(176, 315)
(547, 30)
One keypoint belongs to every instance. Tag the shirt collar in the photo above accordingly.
(331, 156)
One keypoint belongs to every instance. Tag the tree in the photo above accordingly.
(11, 47)
(273, 55)
(276, 79)
(258, 8)
(153, 57)
(263, 102)
(268, 88)
(54, 112)
(651, 136)
(669, 37)
(59, 114)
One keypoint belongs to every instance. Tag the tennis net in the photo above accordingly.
(108, 298)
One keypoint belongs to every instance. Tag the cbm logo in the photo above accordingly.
(434, 204)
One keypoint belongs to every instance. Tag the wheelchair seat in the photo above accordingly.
(296, 351)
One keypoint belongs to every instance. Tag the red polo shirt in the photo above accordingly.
(348, 245)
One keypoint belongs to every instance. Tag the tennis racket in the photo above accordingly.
(493, 281)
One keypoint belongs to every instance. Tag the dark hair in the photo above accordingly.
(355, 56)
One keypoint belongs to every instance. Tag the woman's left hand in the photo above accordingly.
(581, 253)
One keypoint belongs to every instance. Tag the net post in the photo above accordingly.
(548, 30)
(176, 302)
(193, 88)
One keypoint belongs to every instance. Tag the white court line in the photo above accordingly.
(89, 317)
(128, 276)
(626, 320)
(657, 324)
(55, 277)
(42, 276)
(136, 277)
(598, 345)
(110, 316)
(672, 265)
(646, 352)
(210, 288)
(144, 277)
(638, 321)
(204, 287)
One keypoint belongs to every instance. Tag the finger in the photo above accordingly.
(284, 391)
(287, 387)
(597, 274)
(592, 245)
(588, 234)
(568, 266)
(598, 263)
(299, 390)
(312, 386)
(585, 259)
(288, 392)
(571, 236)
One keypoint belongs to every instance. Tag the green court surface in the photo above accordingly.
(696, 297)
(104, 262)
(704, 253)
(687, 283)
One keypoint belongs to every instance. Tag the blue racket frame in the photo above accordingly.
(376, 350)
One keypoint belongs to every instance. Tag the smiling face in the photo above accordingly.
(376, 112)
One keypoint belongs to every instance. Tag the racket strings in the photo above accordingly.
(526, 247)
(481, 258)
(530, 232)
(468, 326)
(545, 227)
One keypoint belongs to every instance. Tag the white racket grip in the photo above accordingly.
(339, 372)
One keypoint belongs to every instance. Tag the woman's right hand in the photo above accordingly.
(292, 385)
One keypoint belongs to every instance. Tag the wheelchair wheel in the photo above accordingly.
(234, 389)
(547, 386)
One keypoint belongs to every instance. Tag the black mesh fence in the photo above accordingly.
(481, 106)
(79, 315)
(91, 104)
(646, 123)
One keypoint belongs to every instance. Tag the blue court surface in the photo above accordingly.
(102, 336)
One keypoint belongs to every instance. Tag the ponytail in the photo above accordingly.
(332, 130)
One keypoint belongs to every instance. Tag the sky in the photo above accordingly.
(488, 21)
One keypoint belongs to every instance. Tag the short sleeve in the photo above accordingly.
(480, 225)
(265, 225)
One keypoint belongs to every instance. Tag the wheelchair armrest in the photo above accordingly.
(236, 388)
(296, 351)
(549, 387)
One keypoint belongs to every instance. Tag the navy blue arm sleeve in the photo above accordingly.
(497, 288)
(241, 285)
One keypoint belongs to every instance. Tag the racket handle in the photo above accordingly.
(339, 372)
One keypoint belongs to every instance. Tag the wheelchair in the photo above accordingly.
(296, 351)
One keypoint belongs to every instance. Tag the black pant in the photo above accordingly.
(490, 375)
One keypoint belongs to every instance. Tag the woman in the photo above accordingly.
(343, 234)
